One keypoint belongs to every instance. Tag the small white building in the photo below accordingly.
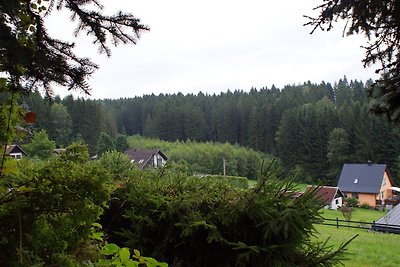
(14, 151)
(331, 196)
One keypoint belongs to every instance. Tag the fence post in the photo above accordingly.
(337, 222)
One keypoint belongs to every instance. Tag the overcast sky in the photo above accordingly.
(213, 46)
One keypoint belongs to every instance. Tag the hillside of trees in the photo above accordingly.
(312, 127)
(207, 158)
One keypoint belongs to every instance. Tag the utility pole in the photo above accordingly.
(224, 166)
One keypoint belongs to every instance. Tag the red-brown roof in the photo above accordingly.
(326, 193)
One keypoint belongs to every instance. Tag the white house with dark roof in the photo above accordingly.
(369, 183)
(14, 151)
(153, 158)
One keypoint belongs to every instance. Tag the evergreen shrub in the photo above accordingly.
(189, 221)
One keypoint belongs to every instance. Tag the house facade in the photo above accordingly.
(14, 151)
(152, 158)
(332, 197)
(369, 183)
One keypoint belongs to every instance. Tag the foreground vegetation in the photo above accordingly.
(57, 212)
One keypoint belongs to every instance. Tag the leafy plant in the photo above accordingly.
(351, 201)
(347, 212)
(365, 206)
(47, 210)
(122, 257)
(40, 146)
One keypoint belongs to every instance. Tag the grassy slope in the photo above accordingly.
(369, 249)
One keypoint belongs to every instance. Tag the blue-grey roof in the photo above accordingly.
(392, 217)
(362, 178)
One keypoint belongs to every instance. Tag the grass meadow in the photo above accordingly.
(369, 249)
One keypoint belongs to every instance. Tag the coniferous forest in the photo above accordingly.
(312, 127)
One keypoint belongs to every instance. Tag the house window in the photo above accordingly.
(16, 156)
(141, 161)
(159, 161)
(355, 195)
(356, 180)
(337, 201)
(384, 181)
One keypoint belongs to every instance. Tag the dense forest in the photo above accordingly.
(312, 127)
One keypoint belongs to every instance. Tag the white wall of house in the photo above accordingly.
(16, 155)
(336, 203)
(158, 161)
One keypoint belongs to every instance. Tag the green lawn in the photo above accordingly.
(369, 249)
(299, 187)
(364, 215)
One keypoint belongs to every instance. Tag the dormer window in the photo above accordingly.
(356, 181)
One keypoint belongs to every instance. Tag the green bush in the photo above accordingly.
(117, 163)
(187, 221)
(47, 209)
(365, 206)
(351, 202)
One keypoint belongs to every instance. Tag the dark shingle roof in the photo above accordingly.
(142, 156)
(14, 149)
(361, 178)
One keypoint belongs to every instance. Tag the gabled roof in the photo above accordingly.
(362, 178)
(14, 149)
(326, 193)
(142, 156)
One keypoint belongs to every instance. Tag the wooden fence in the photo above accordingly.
(391, 228)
